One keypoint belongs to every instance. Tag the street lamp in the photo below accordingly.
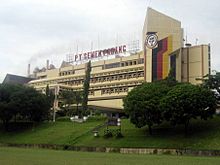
(119, 124)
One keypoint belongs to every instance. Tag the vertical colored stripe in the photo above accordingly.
(166, 57)
(154, 60)
(160, 59)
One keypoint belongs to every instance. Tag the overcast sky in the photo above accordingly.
(32, 31)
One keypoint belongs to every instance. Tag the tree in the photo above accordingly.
(142, 104)
(185, 102)
(212, 82)
(32, 105)
(170, 80)
(72, 97)
(68, 97)
(50, 95)
(25, 101)
(7, 111)
(86, 87)
(78, 100)
(7, 108)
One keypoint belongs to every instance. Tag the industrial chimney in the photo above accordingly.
(47, 66)
(29, 70)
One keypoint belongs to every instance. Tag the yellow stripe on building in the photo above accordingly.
(166, 57)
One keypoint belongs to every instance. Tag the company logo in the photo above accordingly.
(151, 41)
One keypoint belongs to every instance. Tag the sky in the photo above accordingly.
(32, 31)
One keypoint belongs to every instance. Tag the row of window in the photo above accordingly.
(109, 66)
(117, 72)
(122, 64)
(114, 90)
(100, 77)
(109, 91)
(64, 73)
(108, 78)
(118, 77)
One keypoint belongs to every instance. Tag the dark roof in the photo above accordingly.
(15, 79)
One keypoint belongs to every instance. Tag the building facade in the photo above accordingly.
(112, 79)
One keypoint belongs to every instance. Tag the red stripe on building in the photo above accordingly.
(160, 59)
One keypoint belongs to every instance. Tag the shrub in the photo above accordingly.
(108, 134)
(119, 135)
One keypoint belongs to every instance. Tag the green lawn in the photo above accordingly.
(65, 132)
(203, 135)
(12, 156)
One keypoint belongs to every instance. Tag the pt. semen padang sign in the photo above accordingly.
(99, 53)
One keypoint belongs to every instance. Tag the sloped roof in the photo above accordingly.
(15, 79)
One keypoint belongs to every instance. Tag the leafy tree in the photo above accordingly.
(212, 82)
(86, 87)
(72, 97)
(185, 102)
(50, 95)
(7, 111)
(7, 108)
(142, 104)
(170, 80)
(32, 105)
(78, 100)
(68, 97)
(26, 101)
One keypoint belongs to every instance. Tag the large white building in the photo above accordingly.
(112, 79)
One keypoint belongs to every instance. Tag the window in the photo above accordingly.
(140, 61)
(113, 65)
(135, 62)
(120, 89)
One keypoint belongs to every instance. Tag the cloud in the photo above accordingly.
(36, 30)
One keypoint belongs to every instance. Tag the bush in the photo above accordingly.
(64, 118)
(119, 135)
(108, 134)
(96, 118)
(97, 113)
(60, 113)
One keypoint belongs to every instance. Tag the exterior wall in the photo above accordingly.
(175, 63)
(110, 79)
(52, 73)
(170, 38)
(195, 61)
(110, 103)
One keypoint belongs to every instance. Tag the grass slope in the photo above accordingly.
(65, 132)
(203, 135)
(11, 156)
